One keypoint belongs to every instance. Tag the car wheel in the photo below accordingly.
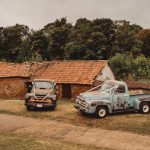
(101, 112)
(29, 108)
(51, 108)
(145, 108)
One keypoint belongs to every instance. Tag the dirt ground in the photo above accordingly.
(77, 134)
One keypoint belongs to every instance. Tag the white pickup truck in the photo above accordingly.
(112, 97)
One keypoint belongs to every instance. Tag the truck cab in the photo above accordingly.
(43, 94)
(110, 97)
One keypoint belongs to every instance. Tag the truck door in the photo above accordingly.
(120, 98)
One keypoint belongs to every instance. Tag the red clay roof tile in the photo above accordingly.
(76, 72)
(13, 70)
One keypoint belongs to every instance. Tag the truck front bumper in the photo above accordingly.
(40, 105)
(86, 110)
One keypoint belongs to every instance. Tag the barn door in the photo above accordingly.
(66, 90)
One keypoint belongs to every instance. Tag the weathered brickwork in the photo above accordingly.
(76, 89)
(12, 88)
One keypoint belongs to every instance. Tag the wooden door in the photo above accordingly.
(66, 90)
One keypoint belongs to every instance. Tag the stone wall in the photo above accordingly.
(12, 88)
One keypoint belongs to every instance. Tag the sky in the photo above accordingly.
(38, 13)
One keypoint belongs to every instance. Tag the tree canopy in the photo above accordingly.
(86, 39)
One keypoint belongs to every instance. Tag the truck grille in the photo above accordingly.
(82, 103)
(40, 97)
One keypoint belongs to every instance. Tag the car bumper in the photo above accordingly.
(40, 105)
(86, 110)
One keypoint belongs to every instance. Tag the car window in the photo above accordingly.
(42, 84)
(120, 89)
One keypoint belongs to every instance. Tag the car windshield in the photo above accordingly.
(43, 85)
(107, 86)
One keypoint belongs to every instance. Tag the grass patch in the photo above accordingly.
(65, 112)
(17, 142)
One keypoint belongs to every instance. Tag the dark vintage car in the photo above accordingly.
(43, 94)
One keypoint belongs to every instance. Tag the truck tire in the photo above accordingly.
(29, 108)
(145, 108)
(101, 112)
(51, 108)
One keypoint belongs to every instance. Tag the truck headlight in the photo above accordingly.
(31, 99)
(93, 104)
(49, 100)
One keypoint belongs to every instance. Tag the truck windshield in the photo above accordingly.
(107, 86)
(43, 85)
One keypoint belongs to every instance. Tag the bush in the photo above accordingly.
(141, 68)
(126, 67)
(121, 66)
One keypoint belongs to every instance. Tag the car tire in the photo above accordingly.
(29, 108)
(101, 112)
(145, 108)
(51, 108)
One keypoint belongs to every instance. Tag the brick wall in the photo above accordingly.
(59, 90)
(77, 89)
(12, 88)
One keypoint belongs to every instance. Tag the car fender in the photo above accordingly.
(29, 95)
(104, 103)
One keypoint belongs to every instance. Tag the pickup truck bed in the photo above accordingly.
(140, 97)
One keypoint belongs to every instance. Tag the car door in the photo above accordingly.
(120, 98)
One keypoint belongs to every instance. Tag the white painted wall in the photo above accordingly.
(106, 74)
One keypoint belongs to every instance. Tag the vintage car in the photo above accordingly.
(43, 94)
(111, 97)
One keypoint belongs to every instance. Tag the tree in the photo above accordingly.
(90, 39)
(58, 35)
(11, 42)
(144, 35)
(39, 44)
(121, 66)
(126, 67)
(2, 41)
(126, 38)
(141, 68)
(107, 31)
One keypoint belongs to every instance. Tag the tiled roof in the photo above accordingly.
(13, 70)
(76, 72)
(37, 68)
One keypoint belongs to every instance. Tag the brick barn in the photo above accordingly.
(72, 76)
(12, 80)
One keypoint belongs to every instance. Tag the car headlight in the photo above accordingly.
(31, 98)
(49, 100)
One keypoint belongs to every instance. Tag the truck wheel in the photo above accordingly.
(101, 112)
(29, 108)
(145, 108)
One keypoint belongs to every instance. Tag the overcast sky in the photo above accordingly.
(37, 13)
